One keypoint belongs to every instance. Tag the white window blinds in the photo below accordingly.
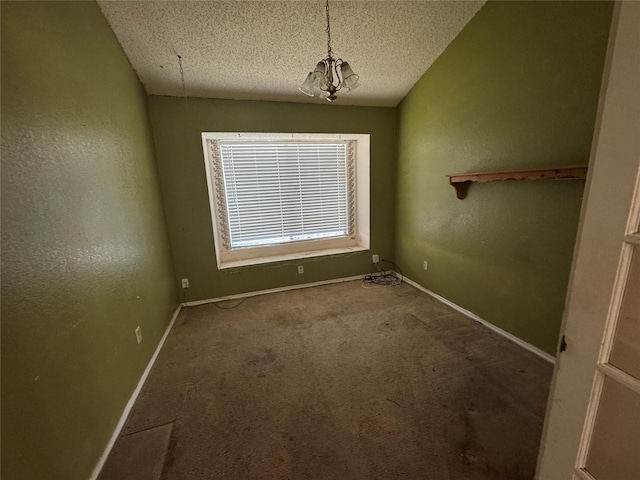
(277, 193)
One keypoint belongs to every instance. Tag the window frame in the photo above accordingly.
(359, 241)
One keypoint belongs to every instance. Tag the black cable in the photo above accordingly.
(397, 268)
(184, 296)
(384, 278)
(229, 308)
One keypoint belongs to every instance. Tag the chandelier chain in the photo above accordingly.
(329, 52)
(184, 89)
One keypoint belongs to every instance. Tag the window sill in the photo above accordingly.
(291, 256)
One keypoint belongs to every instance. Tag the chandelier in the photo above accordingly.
(330, 75)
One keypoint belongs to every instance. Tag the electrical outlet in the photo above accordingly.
(300, 269)
(425, 265)
(138, 334)
(375, 258)
(185, 283)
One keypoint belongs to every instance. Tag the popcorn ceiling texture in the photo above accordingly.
(263, 50)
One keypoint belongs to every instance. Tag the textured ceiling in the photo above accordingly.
(263, 50)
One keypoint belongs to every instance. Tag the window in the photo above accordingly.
(284, 196)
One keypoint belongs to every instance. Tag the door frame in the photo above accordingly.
(613, 169)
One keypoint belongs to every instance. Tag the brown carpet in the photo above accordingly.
(335, 382)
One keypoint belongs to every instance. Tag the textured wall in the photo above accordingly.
(177, 127)
(85, 256)
(518, 88)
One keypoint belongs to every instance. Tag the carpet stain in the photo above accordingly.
(338, 382)
(264, 356)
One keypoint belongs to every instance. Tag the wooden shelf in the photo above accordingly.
(461, 181)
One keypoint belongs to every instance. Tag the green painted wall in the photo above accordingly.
(518, 88)
(85, 256)
(85, 251)
(177, 127)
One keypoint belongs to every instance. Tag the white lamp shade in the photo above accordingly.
(316, 82)
(350, 80)
(320, 68)
(320, 76)
(307, 87)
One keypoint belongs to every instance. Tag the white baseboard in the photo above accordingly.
(134, 396)
(473, 316)
(272, 290)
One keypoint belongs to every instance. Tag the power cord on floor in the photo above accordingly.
(230, 307)
(385, 278)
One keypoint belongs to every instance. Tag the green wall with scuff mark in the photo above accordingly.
(85, 255)
(177, 127)
(517, 88)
